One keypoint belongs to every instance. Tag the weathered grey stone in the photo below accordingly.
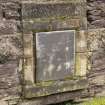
(9, 81)
(57, 98)
(55, 55)
(81, 64)
(96, 13)
(54, 88)
(93, 18)
(29, 64)
(11, 10)
(81, 42)
(33, 10)
(6, 1)
(53, 1)
(12, 6)
(97, 74)
(99, 23)
(66, 24)
(1, 13)
(51, 24)
(11, 48)
(95, 39)
(7, 27)
(29, 26)
(11, 14)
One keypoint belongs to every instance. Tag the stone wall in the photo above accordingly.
(10, 49)
(96, 20)
(96, 40)
(17, 18)
(96, 13)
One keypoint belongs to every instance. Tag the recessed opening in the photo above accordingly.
(55, 55)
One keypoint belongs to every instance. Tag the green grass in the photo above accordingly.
(95, 101)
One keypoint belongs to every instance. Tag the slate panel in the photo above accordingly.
(55, 55)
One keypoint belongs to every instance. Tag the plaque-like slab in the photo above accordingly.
(55, 55)
(49, 10)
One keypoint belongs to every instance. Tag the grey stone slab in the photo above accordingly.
(55, 88)
(55, 55)
(56, 24)
(35, 26)
(33, 10)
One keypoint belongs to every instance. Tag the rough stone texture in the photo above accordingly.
(52, 24)
(11, 46)
(7, 1)
(34, 10)
(7, 27)
(53, 1)
(1, 15)
(10, 50)
(67, 16)
(9, 79)
(57, 98)
(96, 13)
(96, 76)
(11, 10)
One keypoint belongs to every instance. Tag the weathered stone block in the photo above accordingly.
(57, 98)
(29, 65)
(28, 45)
(7, 27)
(81, 64)
(29, 26)
(97, 80)
(66, 23)
(11, 47)
(12, 6)
(102, 35)
(81, 41)
(9, 80)
(11, 10)
(39, 90)
(84, 23)
(95, 39)
(51, 24)
(33, 10)
(29, 77)
(92, 40)
(96, 13)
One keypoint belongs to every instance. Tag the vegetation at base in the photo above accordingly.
(94, 101)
